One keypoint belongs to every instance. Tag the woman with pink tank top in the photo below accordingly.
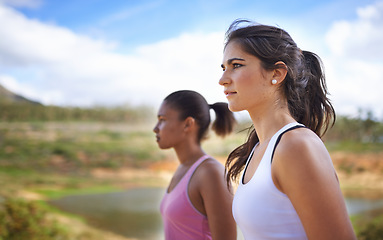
(197, 203)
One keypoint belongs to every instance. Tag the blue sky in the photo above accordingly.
(133, 23)
(102, 52)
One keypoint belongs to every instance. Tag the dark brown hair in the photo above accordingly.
(192, 104)
(304, 86)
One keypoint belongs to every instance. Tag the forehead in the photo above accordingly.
(167, 111)
(234, 50)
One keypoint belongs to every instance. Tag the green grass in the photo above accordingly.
(51, 185)
(355, 147)
(75, 147)
(79, 147)
(55, 159)
(59, 193)
(11, 112)
(369, 226)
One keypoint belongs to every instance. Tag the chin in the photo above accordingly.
(234, 108)
(163, 147)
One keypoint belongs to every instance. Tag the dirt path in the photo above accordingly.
(359, 171)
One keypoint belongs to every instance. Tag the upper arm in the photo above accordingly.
(303, 170)
(217, 200)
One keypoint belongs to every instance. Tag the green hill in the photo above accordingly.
(7, 96)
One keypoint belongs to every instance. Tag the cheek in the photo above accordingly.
(251, 81)
(160, 127)
(244, 84)
(244, 79)
(170, 130)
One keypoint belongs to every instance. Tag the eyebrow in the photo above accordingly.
(229, 61)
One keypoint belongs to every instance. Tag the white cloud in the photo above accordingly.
(30, 42)
(60, 67)
(191, 61)
(22, 3)
(360, 38)
(54, 65)
(355, 61)
(26, 89)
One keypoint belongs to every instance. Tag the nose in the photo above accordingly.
(224, 80)
(155, 129)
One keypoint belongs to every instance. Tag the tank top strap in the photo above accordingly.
(277, 137)
(272, 144)
(191, 170)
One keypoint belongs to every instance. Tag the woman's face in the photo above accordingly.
(246, 84)
(169, 129)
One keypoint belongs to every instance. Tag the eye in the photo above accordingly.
(161, 119)
(237, 65)
(223, 67)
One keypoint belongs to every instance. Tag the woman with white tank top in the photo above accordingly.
(289, 188)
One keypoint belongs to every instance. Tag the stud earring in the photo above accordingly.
(274, 81)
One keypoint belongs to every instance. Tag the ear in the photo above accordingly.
(189, 123)
(280, 72)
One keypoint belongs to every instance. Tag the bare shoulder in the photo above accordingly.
(301, 155)
(210, 169)
(300, 144)
(303, 170)
(210, 174)
(300, 137)
(216, 199)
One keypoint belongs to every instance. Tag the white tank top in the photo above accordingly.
(260, 209)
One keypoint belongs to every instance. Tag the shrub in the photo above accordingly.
(372, 231)
(21, 220)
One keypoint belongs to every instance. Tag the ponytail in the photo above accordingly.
(224, 120)
(318, 114)
(307, 95)
(192, 104)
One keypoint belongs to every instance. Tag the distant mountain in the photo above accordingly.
(7, 96)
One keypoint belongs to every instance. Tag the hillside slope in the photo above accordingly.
(7, 96)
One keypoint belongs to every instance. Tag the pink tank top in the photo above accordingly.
(181, 220)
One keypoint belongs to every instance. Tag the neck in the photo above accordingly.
(269, 121)
(187, 154)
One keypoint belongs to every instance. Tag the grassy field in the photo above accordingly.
(45, 160)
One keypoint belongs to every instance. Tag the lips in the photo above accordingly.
(229, 93)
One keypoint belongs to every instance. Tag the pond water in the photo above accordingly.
(360, 205)
(135, 213)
